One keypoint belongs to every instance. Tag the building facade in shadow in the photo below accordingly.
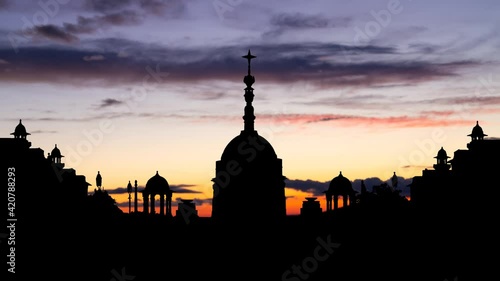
(44, 186)
(249, 184)
(463, 183)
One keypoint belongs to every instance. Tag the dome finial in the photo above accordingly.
(249, 57)
(249, 116)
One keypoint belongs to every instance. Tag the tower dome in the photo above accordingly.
(157, 185)
(442, 154)
(340, 185)
(477, 132)
(442, 161)
(56, 153)
(20, 131)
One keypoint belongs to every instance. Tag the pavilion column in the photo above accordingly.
(145, 200)
(344, 200)
(328, 201)
(169, 206)
(152, 204)
(162, 204)
(335, 202)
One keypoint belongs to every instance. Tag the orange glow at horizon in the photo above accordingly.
(293, 204)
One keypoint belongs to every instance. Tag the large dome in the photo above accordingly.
(157, 185)
(248, 146)
(340, 185)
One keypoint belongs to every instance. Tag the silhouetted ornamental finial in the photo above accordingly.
(249, 57)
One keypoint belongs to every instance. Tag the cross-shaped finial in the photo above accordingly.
(249, 57)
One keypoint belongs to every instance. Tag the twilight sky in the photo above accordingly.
(368, 88)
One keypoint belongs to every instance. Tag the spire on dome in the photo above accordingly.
(249, 116)
(249, 57)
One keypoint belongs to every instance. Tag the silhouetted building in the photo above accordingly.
(434, 186)
(55, 157)
(339, 186)
(310, 208)
(157, 185)
(459, 183)
(40, 180)
(75, 187)
(248, 166)
(186, 211)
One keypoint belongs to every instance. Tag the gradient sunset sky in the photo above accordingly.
(368, 88)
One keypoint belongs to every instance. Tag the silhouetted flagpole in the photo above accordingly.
(135, 197)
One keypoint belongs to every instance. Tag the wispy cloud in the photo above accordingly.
(94, 58)
(312, 63)
(156, 7)
(121, 190)
(469, 100)
(183, 188)
(196, 201)
(43, 132)
(109, 102)
(4, 4)
(85, 25)
(283, 22)
(51, 32)
(111, 13)
(311, 186)
(403, 121)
